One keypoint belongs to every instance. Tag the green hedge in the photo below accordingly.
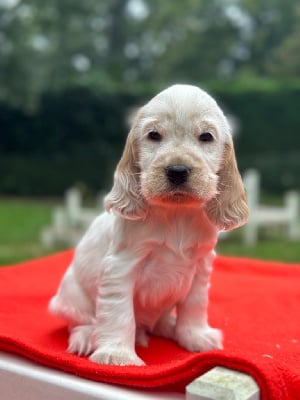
(76, 136)
(269, 137)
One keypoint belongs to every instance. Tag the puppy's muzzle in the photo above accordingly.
(177, 174)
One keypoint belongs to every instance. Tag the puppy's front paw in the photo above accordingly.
(117, 355)
(199, 339)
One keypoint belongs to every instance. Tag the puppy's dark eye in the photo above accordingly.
(206, 137)
(154, 136)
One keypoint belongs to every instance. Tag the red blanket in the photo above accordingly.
(255, 303)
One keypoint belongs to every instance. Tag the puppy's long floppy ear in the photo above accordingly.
(229, 209)
(125, 198)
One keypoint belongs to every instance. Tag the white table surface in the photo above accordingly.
(21, 379)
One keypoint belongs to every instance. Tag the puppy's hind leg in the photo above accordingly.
(165, 327)
(141, 337)
(80, 340)
(71, 303)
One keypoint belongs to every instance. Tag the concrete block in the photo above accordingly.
(223, 384)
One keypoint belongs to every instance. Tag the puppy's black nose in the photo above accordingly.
(177, 174)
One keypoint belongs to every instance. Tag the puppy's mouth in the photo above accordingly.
(177, 196)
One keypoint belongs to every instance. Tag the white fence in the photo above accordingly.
(263, 216)
(72, 219)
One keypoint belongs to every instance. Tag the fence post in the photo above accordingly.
(73, 201)
(252, 184)
(292, 205)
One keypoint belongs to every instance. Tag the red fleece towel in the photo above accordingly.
(255, 303)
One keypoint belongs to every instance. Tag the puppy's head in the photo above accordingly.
(179, 152)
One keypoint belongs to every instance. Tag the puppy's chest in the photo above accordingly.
(171, 258)
(165, 276)
(170, 254)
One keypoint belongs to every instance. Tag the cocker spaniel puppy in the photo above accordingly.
(143, 266)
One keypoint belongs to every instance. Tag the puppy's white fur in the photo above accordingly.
(151, 252)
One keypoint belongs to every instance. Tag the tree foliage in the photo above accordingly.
(113, 44)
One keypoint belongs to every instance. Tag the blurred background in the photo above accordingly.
(72, 71)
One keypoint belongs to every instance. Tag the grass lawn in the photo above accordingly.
(21, 222)
(266, 249)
